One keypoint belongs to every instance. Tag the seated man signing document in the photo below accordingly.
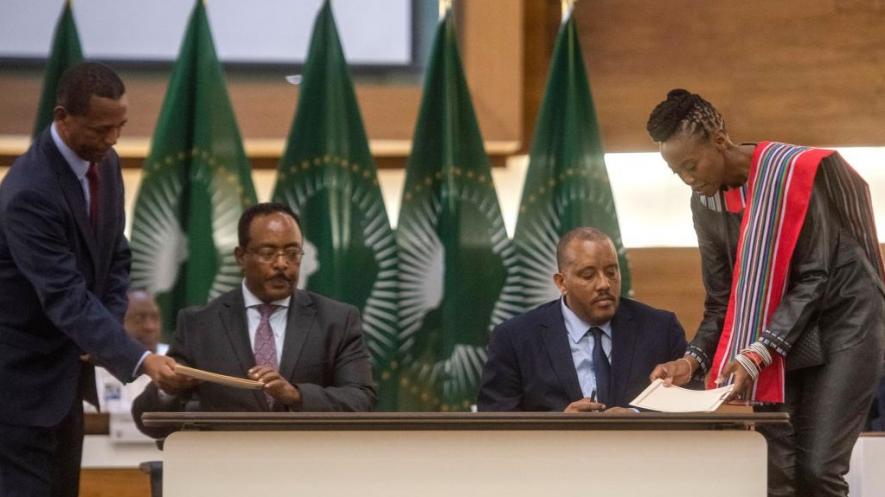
(589, 350)
(306, 349)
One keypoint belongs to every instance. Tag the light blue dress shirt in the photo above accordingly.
(581, 344)
(78, 165)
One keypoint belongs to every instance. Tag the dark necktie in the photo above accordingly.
(601, 368)
(265, 349)
(92, 176)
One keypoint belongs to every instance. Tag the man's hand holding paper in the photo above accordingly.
(161, 370)
(163, 373)
(276, 386)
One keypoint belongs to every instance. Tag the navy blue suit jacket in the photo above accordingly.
(62, 287)
(530, 365)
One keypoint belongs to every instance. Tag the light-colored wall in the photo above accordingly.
(652, 203)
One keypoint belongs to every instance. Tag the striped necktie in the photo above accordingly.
(265, 348)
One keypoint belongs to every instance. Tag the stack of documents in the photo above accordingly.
(659, 397)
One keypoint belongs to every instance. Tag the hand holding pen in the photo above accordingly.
(587, 404)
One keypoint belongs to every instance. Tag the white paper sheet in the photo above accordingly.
(658, 397)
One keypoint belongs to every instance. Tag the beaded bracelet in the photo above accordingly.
(748, 365)
(763, 352)
(755, 357)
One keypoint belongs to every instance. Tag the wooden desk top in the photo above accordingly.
(277, 421)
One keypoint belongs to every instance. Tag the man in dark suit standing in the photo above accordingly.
(590, 350)
(308, 350)
(64, 272)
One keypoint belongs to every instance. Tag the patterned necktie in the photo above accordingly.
(92, 177)
(265, 347)
(601, 368)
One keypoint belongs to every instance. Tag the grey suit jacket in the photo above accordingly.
(323, 355)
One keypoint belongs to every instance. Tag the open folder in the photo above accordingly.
(231, 381)
(659, 397)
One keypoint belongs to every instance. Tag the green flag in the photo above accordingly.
(328, 177)
(64, 53)
(454, 252)
(196, 184)
(567, 184)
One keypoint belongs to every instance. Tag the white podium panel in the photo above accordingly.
(866, 478)
(440, 463)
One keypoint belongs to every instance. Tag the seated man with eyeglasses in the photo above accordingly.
(308, 350)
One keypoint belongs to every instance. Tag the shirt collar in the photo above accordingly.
(577, 327)
(78, 165)
(251, 300)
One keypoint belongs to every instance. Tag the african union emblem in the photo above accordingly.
(454, 260)
(184, 229)
(577, 196)
(349, 249)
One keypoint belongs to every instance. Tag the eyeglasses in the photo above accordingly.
(270, 254)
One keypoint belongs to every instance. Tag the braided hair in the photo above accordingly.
(683, 111)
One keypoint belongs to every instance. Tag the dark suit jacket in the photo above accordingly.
(62, 287)
(323, 355)
(530, 365)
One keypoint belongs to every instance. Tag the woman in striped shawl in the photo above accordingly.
(794, 314)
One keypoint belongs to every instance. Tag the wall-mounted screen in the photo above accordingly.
(373, 32)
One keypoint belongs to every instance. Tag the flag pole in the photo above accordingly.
(444, 6)
(567, 7)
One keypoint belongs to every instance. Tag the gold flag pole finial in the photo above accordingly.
(444, 6)
(567, 7)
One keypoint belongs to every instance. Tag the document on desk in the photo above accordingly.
(231, 381)
(658, 397)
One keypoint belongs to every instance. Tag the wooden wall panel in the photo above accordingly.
(264, 105)
(801, 71)
(492, 47)
(541, 24)
(114, 483)
(670, 279)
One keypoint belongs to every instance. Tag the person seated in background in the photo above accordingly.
(590, 350)
(307, 350)
(142, 323)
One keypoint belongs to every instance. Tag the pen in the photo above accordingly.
(593, 395)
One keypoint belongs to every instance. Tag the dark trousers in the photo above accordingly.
(828, 406)
(42, 462)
